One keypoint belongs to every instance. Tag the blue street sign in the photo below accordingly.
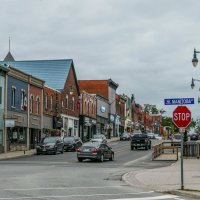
(179, 101)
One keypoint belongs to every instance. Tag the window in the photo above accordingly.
(51, 103)
(73, 104)
(85, 107)
(13, 96)
(67, 101)
(22, 99)
(31, 104)
(0, 95)
(62, 104)
(92, 109)
(46, 101)
(37, 105)
(88, 107)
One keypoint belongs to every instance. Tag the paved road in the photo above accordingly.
(63, 177)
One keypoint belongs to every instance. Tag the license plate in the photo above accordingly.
(86, 150)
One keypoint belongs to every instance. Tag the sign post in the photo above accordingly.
(182, 118)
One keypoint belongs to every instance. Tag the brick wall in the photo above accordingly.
(36, 92)
(99, 87)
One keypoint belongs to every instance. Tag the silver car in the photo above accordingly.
(99, 138)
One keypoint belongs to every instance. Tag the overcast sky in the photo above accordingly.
(146, 46)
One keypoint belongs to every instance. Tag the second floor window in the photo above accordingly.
(13, 96)
(73, 104)
(51, 103)
(31, 104)
(67, 101)
(46, 101)
(38, 105)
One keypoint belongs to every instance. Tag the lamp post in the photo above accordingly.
(195, 60)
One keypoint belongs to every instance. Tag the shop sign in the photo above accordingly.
(9, 123)
(112, 118)
(103, 109)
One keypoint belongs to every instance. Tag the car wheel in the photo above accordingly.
(112, 157)
(55, 152)
(132, 148)
(146, 147)
(62, 150)
(102, 158)
(80, 159)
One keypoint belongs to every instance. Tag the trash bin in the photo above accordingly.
(190, 149)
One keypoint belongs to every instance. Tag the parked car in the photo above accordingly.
(50, 145)
(71, 143)
(99, 138)
(151, 135)
(194, 136)
(140, 140)
(176, 140)
(158, 137)
(95, 151)
(125, 136)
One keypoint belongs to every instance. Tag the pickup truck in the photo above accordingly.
(140, 140)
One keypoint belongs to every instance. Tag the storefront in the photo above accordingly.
(16, 139)
(87, 128)
(70, 125)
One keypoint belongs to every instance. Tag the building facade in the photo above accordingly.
(3, 98)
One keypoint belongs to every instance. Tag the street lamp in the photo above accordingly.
(195, 60)
(192, 83)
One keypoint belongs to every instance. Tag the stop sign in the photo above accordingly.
(182, 116)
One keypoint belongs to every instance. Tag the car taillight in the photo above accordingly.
(78, 150)
(95, 150)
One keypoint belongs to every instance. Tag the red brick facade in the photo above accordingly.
(99, 87)
(35, 100)
(73, 107)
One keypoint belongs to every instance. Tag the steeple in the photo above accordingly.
(9, 57)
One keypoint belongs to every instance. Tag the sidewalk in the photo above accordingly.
(168, 179)
(15, 154)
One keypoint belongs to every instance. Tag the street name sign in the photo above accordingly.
(179, 101)
(181, 116)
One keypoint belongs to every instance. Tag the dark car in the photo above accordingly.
(194, 137)
(50, 145)
(95, 151)
(71, 143)
(140, 140)
(125, 136)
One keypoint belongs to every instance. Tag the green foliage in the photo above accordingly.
(167, 121)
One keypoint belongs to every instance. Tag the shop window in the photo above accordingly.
(1, 137)
(0, 95)
(13, 96)
(17, 135)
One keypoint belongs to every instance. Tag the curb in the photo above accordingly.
(7, 157)
(185, 193)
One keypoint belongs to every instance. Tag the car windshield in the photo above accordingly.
(97, 136)
(68, 139)
(137, 135)
(49, 140)
(91, 144)
(150, 133)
